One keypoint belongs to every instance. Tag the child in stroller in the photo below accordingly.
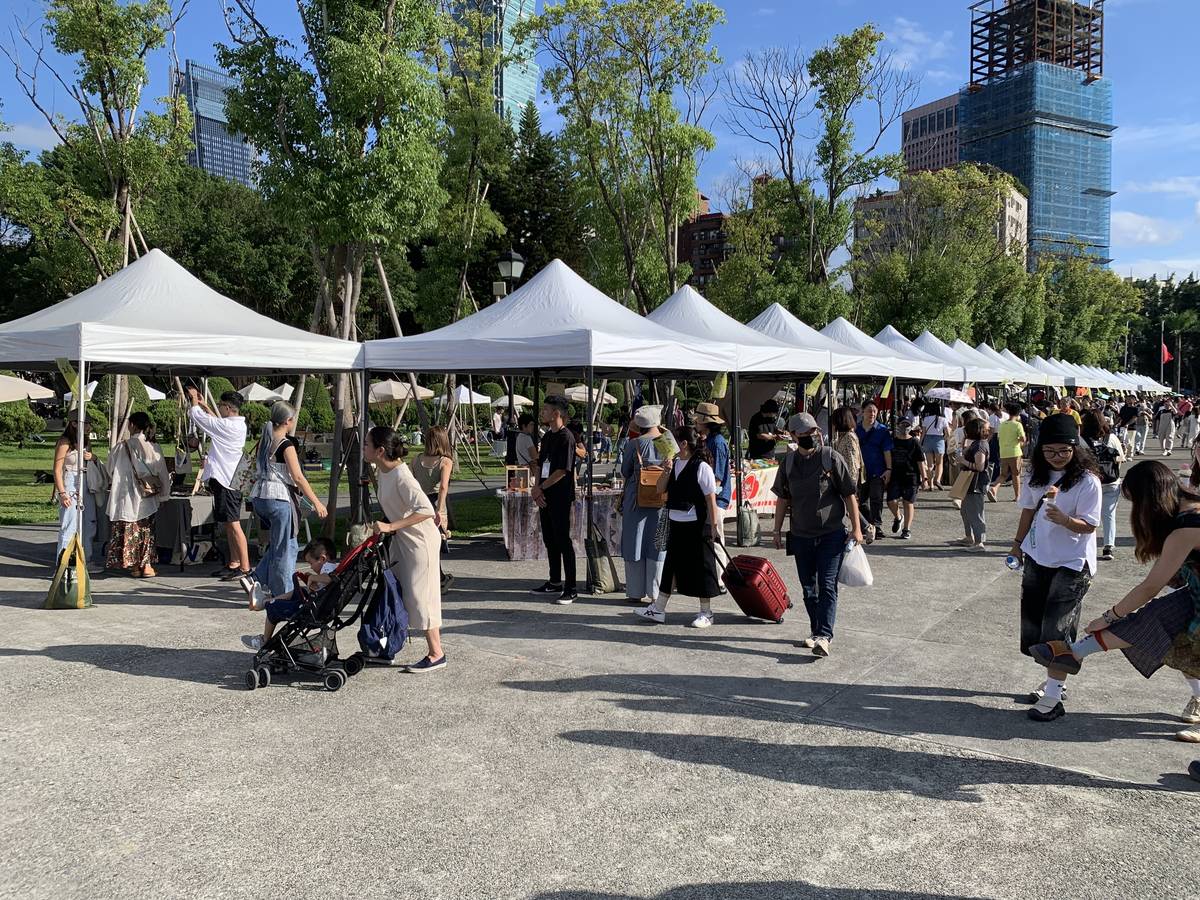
(307, 641)
(320, 555)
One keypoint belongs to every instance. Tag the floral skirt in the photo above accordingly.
(131, 545)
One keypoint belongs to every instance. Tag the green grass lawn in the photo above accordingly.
(23, 502)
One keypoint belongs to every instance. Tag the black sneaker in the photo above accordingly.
(879, 533)
(906, 535)
(895, 525)
(548, 588)
(567, 597)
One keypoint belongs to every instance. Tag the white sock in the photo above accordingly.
(1194, 684)
(705, 607)
(1054, 689)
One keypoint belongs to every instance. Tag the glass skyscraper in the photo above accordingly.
(216, 149)
(1039, 108)
(517, 81)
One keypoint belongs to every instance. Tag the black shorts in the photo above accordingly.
(905, 492)
(227, 504)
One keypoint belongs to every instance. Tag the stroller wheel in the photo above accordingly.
(251, 680)
(334, 679)
(353, 665)
(264, 676)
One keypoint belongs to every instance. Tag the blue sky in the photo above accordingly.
(1156, 163)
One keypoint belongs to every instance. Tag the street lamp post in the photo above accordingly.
(511, 266)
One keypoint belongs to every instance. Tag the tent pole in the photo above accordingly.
(363, 491)
(587, 437)
(80, 443)
(736, 435)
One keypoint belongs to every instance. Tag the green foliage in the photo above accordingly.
(617, 389)
(218, 385)
(492, 390)
(137, 391)
(18, 421)
(257, 415)
(316, 414)
(165, 414)
(1087, 309)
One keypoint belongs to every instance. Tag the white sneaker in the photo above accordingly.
(1189, 735)
(821, 646)
(650, 614)
(808, 642)
(258, 598)
(253, 641)
(979, 548)
(1191, 712)
(703, 620)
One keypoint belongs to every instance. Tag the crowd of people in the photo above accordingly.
(1066, 463)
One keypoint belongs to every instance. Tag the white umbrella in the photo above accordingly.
(285, 391)
(464, 397)
(948, 395)
(392, 391)
(68, 397)
(256, 393)
(19, 389)
(579, 394)
(518, 400)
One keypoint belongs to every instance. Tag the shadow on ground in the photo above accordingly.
(749, 890)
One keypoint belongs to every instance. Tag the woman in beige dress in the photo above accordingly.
(415, 541)
(135, 462)
(432, 470)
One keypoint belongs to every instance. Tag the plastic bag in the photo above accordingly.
(856, 570)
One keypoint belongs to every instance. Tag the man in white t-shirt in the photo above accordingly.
(226, 430)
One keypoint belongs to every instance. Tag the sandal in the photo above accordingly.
(1056, 655)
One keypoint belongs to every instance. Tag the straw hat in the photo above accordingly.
(707, 412)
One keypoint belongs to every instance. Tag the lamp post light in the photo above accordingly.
(511, 266)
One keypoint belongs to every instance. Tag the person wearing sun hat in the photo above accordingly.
(1056, 540)
(708, 417)
(639, 524)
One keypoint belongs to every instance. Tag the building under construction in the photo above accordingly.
(1039, 107)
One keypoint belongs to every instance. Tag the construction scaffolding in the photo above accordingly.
(1008, 34)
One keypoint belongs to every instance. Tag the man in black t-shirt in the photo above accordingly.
(908, 472)
(554, 493)
(764, 431)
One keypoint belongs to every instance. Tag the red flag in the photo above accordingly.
(1166, 354)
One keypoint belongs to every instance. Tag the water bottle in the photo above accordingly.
(1013, 563)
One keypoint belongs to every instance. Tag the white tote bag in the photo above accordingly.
(856, 571)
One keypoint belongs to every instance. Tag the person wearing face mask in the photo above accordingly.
(816, 486)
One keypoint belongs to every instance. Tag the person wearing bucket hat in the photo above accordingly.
(707, 419)
(1056, 540)
(639, 524)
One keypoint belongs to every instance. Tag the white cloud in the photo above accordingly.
(1163, 268)
(1179, 185)
(1134, 228)
(29, 136)
(765, 11)
(913, 47)
(1160, 134)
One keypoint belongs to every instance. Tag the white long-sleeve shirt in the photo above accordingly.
(228, 436)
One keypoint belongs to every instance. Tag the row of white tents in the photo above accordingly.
(154, 318)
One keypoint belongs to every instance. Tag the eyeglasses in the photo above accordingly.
(1058, 453)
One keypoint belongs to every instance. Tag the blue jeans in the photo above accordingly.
(818, 563)
(278, 564)
(68, 519)
(1108, 514)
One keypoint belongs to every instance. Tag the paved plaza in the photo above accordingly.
(570, 752)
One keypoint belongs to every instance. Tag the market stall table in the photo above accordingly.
(758, 477)
(523, 531)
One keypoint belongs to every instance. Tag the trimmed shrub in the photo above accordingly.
(257, 415)
(165, 414)
(491, 389)
(18, 421)
(318, 407)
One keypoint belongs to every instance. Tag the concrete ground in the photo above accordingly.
(570, 752)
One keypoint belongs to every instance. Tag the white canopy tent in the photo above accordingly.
(906, 349)
(1022, 371)
(155, 318)
(971, 370)
(1083, 378)
(88, 390)
(777, 323)
(1052, 379)
(843, 332)
(970, 354)
(1045, 366)
(579, 394)
(556, 321)
(256, 393)
(687, 312)
(285, 391)
(465, 397)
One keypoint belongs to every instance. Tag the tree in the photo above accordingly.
(620, 69)
(1087, 309)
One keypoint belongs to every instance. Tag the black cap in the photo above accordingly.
(1058, 429)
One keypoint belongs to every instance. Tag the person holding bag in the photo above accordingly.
(641, 507)
(279, 479)
(1110, 454)
(972, 484)
(694, 530)
(139, 483)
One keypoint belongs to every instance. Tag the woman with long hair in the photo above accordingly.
(844, 425)
(279, 479)
(432, 471)
(1056, 539)
(974, 458)
(140, 482)
(690, 566)
(1152, 631)
(639, 524)
(415, 541)
(1110, 454)
(70, 492)
(934, 427)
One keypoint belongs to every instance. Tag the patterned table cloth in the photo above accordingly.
(523, 530)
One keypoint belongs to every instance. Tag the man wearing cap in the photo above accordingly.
(816, 486)
(708, 416)
(554, 493)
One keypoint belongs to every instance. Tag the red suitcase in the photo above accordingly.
(756, 587)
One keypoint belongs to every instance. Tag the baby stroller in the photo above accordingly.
(307, 642)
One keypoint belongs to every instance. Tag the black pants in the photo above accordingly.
(870, 497)
(1051, 602)
(556, 534)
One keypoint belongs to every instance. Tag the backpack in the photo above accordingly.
(1106, 456)
(648, 494)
